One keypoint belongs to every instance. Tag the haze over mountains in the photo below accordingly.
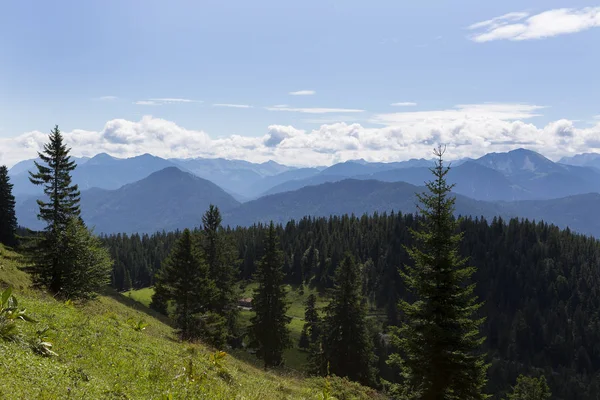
(148, 193)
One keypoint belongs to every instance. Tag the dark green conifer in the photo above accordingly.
(439, 338)
(88, 262)
(8, 219)
(347, 346)
(184, 280)
(61, 204)
(311, 329)
(268, 332)
(528, 388)
(221, 257)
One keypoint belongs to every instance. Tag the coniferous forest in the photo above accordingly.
(538, 285)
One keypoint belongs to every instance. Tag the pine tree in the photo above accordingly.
(268, 331)
(160, 298)
(184, 280)
(530, 389)
(8, 219)
(221, 257)
(311, 329)
(127, 284)
(89, 263)
(347, 346)
(439, 340)
(63, 203)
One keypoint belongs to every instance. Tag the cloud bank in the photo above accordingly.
(468, 130)
(518, 26)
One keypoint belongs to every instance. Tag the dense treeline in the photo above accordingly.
(539, 284)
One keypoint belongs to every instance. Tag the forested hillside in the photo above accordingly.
(114, 348)
(540, 284)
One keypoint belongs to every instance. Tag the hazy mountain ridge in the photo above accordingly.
(516, 175)
(353, 196)
(518, 183)
(168, 199)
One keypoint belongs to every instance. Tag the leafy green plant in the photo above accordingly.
(326, 394)
(217, 359)
(189, 371)
(40, 344)
(9, 314)
(137, 326)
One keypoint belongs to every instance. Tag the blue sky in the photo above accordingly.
(90, 66)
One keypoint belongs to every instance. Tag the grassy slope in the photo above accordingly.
(100, 356)
(294, 357)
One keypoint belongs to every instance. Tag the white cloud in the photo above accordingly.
(314, 110)
(164, 100)
(232, 105)
(523, 26)
(468, 130)
(404, 104)
(473, 112)
(106, 98)
(303, 93)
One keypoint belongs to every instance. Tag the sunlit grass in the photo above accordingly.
(102, 356)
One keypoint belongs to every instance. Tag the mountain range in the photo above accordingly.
(168, 199)
(148, 193)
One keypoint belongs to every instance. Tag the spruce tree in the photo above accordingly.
(530, 389)
(268, 332)
(8, 219)
(347, 346)
(221, 257)
(439, 339)
(160, 298)
(89, 263)
(62, 203)
(184, 280)
(311, 329)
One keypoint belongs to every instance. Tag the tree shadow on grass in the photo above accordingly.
(131, 303)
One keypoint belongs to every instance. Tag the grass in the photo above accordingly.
(143, 296)
(295, 358)
(102, 356)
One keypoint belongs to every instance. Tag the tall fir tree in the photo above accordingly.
(8, 219)
(221, 257)
(62, 203)
(439, 339)
(268, 332)
(311, 330)
(347, 346)
(184, 280)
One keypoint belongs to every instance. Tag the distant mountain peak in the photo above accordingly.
(582, 160)
(102, 156)
(516, 161)
(360, 161)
